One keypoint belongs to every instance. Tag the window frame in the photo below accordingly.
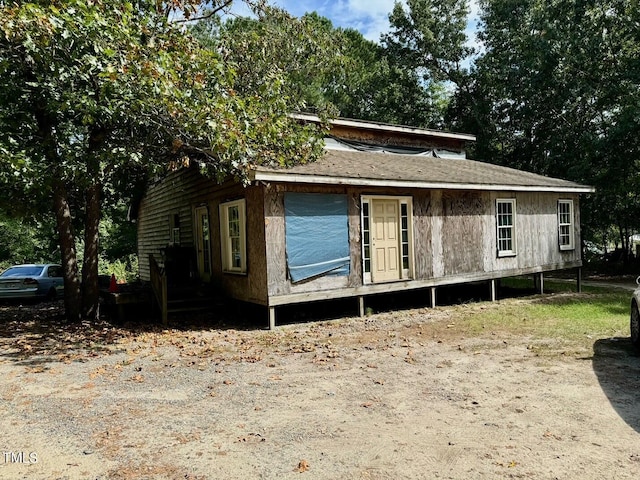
(512, 252)
(174, 229)
(571, 245)
(226, 239)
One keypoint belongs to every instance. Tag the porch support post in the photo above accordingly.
(272, 318)
(579, 279)
(541, 282)
(361, 305)
(493, 289)
(433, 296)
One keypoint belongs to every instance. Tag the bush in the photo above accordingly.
(125, 269)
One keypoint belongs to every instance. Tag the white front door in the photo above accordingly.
(386, 247)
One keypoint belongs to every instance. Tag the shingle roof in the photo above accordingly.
(385, 169)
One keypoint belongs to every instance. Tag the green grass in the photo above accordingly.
(561, 314)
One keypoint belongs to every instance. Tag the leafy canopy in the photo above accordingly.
(96, 94)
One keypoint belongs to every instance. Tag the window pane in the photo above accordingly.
(206, 243)
(366, 238)
(404, 231)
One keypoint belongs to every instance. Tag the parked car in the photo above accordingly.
(634, 323)
(32, 281)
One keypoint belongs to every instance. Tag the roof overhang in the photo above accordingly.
(281, 176)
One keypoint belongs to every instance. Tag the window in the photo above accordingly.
(366, 238)
(316, 235)
(506, 224)
(404, 235)
(175, 236)
(54, 272)
(174, 229)
(233, 236)
(565, 224)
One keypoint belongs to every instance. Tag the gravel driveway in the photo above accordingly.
(386, 397)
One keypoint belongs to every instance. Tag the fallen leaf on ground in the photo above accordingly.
(303, 466)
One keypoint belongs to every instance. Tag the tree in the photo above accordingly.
(378, 86)
(428, 37)
(304, 52)
(25, 240)
(96, 92)
(558, 93)
(327, 69)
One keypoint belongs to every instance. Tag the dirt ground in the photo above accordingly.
(397, 395)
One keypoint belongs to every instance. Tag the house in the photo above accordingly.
(388, 208)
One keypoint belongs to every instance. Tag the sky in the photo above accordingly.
(369, 17)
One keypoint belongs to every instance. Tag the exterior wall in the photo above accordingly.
(454, 238)
(162, 201)
(275, 235)
(180, 193)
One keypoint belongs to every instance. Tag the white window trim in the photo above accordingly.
(407, 273)
(175, 236)
(225, 239)
(514, 249)
(174, 229)
(571, 245)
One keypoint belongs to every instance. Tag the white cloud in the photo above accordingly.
(369, 17)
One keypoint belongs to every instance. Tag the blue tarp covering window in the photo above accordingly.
(317, 235)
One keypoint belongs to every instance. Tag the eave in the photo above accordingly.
(281, 177)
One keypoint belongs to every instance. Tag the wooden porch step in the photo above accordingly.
(192, 304)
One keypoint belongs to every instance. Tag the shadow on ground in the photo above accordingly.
(38, 333)
(617, 365)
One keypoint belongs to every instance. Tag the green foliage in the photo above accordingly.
(430, 35)
(377, 86)
(274, 49)
(24, 241)
(557, 92)
(94, 96)
(322, 68)
(428, 38)
(125, 269)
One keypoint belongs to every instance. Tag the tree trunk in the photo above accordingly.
(62, 212)
(90, 293)
(68, 250)
(624, 239)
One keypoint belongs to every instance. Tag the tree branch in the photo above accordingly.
(207, 15)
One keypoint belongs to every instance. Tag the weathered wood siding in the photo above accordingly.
(180, 193)
(279, 284)
(395, 138)
(461, 233)
(454, 238)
